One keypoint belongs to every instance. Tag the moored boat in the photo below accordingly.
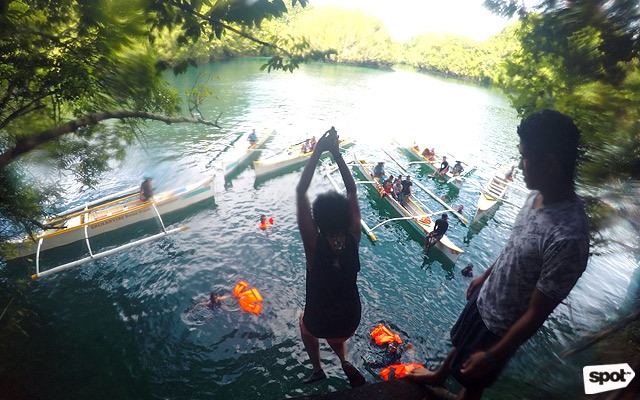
(414, 211)
(495, 190)
(289, 158)
(433, 165)
(111, 213)
(242, 152)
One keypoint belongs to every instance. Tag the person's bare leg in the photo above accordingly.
(338, 348)
(312, 347)
(434, 378)
(356, 379)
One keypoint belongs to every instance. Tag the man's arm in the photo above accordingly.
(540, 306)
(479, 280)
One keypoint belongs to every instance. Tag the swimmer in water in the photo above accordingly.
(215, 300)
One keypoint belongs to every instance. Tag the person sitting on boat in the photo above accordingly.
(406, 190)
(457, 169)
(253, 138)
(444, 168)
(146, 189)
(312, 143)
(330, 229)
(378, 170)
(439, 229)
(306, 146)
(429, 154)
(388, 188)
(397, 188)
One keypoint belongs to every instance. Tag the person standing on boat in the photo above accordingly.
(253, 138)
(543, 259)
(146, 189)
(406, 190)
(330, 231)
(378, 170)
(439, 229)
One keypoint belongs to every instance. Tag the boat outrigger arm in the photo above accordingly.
(105, 253)
(430, 193)
(366, 228)
(416, 217)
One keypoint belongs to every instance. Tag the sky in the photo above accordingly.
(407, 18)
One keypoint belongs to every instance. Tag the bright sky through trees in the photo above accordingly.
(408, 18)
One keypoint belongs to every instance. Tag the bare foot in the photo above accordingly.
(425, 376)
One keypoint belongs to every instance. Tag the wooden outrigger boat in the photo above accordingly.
(108, 214)
(455, 181)
(415, 212)
(493, 193)
(240, 152)
(290, 157)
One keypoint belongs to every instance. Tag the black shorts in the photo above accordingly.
(469, 335)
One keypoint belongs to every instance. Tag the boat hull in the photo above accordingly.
(116, 215)
(414, 209)
(241, 154)
(492, 194)
(288, 159)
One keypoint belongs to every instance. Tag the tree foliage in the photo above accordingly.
(67, 65)
(581, 58)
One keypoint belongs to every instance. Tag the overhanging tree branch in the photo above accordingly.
(28, 144)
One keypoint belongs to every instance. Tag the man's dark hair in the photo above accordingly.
(550, 131)
(331, 212)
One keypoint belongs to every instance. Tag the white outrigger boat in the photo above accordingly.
(288, 158)
(240, 152)
(494, 192)
(455, 181)
(109, 214)
(415, 212)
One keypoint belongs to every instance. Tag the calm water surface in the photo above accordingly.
(117, 328)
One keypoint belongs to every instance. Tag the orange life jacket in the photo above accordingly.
(381, 334)
(399, 370)
(248, 299)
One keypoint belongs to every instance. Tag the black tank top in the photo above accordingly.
(332, 308)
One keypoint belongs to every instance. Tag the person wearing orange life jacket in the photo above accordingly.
(265, 223)
(330, 237)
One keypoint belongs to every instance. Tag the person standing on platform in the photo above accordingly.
(330, 231)
(543, 259)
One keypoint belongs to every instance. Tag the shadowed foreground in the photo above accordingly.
(393, 389)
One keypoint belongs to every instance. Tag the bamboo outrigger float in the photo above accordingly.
(108, 214)
(414, 211)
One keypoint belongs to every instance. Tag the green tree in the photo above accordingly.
(68, 65)
(581, 58)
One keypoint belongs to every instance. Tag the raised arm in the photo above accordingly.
(307, 227)
(349, 184)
